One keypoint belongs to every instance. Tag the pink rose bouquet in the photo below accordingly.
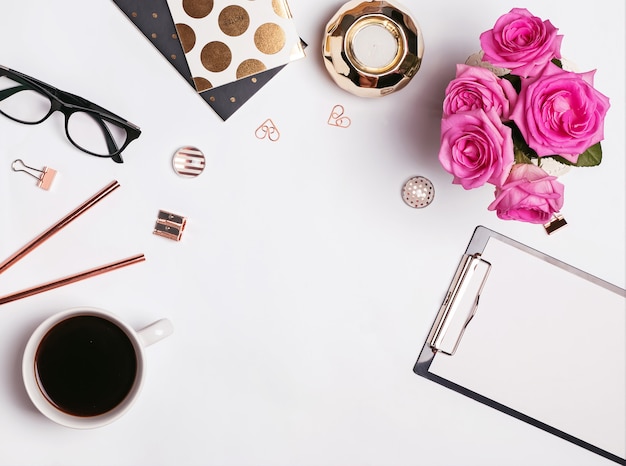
(561, 113)
(521, 42)
(516, 111)
(478, 88)
(529, 194)
(479, 148)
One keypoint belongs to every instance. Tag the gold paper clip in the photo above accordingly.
(558, 221)
(170, 225)
(45, 177)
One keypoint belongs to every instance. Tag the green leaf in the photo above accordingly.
(560, 159)
(590, 158)
(557, 62)
(520, 156)
(515, 80)
(521, 151)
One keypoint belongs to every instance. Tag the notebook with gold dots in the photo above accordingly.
(228, 40)
(154, 21)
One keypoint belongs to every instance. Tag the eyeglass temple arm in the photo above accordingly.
(59, 94)
(82, 102)
(77, 100)
(46, 88)
(111, 145)
(6, 93)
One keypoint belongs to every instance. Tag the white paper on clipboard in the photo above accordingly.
(547, 344)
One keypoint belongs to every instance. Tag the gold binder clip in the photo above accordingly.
(45, 177)
(170, 225)
(558, 221)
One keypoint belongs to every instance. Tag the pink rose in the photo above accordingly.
(521, 42)
(560, 113)
(528, 195)
(478, 88)
(476, 148)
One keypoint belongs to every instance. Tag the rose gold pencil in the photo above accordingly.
(18, 255)
(71, 279)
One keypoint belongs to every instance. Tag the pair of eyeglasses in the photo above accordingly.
(89, 127)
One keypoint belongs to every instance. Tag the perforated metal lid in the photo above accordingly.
(418, 192)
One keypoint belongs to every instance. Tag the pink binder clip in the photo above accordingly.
(44, 178)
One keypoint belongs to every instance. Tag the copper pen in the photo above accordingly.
(29, 247)
(93, 200)
(71, 279)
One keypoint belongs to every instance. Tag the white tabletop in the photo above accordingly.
(303, 287)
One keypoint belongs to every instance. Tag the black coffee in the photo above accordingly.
(85, 365)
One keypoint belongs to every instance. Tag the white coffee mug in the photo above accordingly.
(114, 332)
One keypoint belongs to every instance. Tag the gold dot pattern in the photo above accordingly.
(269, 38)
(226, 40)
(202, 84)
(233, 20)
(225, 99)
(216, 56)
(249, 67)
(187, 36)
(155, 22)
(281, 9)
(198, 8)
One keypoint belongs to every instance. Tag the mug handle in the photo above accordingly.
(154, 332)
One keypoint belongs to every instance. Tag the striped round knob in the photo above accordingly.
(188, 161)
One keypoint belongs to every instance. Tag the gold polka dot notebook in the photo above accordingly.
(227, 40)
(153, 19)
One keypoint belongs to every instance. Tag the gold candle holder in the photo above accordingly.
(372, 48)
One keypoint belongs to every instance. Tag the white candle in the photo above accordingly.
(374, 46)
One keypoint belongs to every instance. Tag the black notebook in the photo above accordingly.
(153, 19)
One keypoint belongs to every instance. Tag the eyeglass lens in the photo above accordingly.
(21, 103)
(85, 129)
(88, 131)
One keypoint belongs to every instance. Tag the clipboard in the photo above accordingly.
(534, 338)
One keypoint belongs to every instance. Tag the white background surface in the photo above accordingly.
(304, 287)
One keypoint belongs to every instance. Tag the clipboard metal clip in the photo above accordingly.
(459, 305)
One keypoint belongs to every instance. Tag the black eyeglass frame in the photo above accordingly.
(68, 104)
